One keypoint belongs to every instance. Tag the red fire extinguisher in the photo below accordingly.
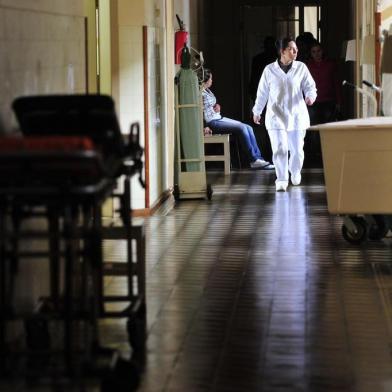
(181, 38)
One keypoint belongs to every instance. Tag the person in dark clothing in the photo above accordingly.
(326, 75)
(259, 62)
(328, 102)
(304, 41)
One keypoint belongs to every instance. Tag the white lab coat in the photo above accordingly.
(284, 95)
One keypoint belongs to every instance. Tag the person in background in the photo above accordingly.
(304, 41)
(329, 97)
(286, 87)
(259, 62)
(216, 123)
(328, 102)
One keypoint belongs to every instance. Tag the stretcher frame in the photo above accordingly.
(68, 189)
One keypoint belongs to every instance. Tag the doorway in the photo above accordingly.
(259, 23)
(276, 21)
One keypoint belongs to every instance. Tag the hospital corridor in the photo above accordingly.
(196, 196)
(258, 291)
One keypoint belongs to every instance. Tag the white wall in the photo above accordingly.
(187, 11)
(367, 70)
(41, 50)
(157, 138)
(386, 79)
(132, 16)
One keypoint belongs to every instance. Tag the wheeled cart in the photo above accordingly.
(66, 165)
(357, 158)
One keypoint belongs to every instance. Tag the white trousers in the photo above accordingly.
(287, 153)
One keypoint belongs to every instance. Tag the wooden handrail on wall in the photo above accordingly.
(146, 120)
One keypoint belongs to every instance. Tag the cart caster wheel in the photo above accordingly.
(378, 229)
(136, 328)
(124, 377)
(209, 191)
(37, 334)
(137, 334)
(38, 342)
(5, 367)
(176, 192)
(360, 233)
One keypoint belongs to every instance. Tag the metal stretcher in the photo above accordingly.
(65, 166)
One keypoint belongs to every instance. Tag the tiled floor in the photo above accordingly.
(258, 291)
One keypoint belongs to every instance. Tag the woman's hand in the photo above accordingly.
(256, 118)
(207, 131)
(309, 101)
(217, 108)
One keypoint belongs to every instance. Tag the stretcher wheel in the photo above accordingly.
(378, 229)
(359, 234)
(123, 377)
(136, 329)
(209, 191)
(37, 334)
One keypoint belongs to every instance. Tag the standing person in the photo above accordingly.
(325, 74)
(216, 123)
(326, 108)
(259, 62)
(304, 41)
(286, 87)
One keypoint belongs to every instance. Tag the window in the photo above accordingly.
(311, 21)
(287, 21)
(293, 20)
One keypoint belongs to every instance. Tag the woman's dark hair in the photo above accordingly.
(204, 75)
(283, 43)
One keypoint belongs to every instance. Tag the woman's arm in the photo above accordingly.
(207, 131)
(209, 104)
(261, 97)
(309, 87)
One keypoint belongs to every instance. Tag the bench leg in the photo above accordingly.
(226, 152)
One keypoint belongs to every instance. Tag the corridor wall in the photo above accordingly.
(145, 79)
(42, 50)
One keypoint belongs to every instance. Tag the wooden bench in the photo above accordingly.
(223, 139)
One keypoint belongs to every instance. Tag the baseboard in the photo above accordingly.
(144, 212)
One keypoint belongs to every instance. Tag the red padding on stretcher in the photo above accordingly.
(47, 143)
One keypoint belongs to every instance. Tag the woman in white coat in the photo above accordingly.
(286, 87)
